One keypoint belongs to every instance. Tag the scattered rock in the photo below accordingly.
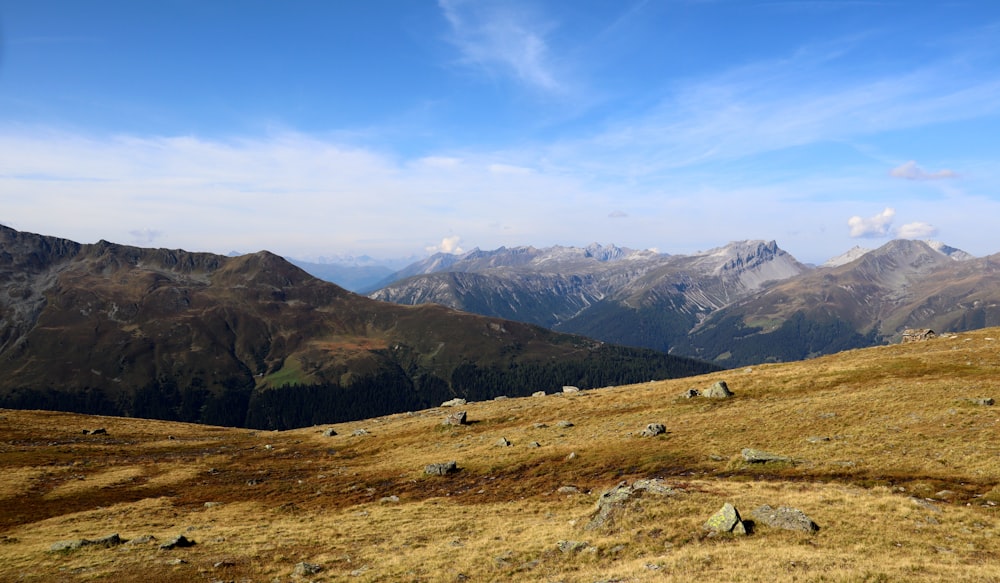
(926, 504)
(502, 442)
(142, 540)
(653, 429)
(389, 499)
(570, 389)
(456, 402)
(112, 540)
(568, 490)
(691, 393)
(817, 439)
(571, 456)
(614, 502)
(985, 402)
(441, 469)
(572, 546)
(329, 432)
(177, 542)
(538, 394)
(718, 391)
(458, 418)
(99, 431)
(359, 432)
(784, 517)
(756, 456)
(500, 398)
(534, 444)
(223, 564)
(539, 425)
(726, 520)
(302, 569)
(564, 424)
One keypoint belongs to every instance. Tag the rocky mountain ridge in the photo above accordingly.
(709, 304)
(253, 340)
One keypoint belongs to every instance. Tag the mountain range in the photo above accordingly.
(743, 303)
(252, 340)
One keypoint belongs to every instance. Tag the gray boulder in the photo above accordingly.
(570, 389)
(302, 569)
(718, 391)
(572, 546)
(726, 520)
(458, 418)
(502, 442)
(986, 402)
(691, 393)
(784, 517)
(456, 402)
(329, 432)
(653, 429)
(441, 469)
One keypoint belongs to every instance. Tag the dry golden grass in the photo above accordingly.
(900, 425)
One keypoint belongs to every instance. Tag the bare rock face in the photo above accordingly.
(784, 517)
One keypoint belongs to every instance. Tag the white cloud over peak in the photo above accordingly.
(872, 227)
(448, 245)
(499, 37)
(917, 230)
(911, 171)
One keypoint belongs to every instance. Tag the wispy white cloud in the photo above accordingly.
(910, 171)
(872, 227)
(617, 215)
(917, 230)
(504, 38)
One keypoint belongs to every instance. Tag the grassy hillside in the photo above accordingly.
(890, 456)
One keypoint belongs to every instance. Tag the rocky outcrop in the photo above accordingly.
(441, 469)
(758, 456)
(617, 501)
(720, 390)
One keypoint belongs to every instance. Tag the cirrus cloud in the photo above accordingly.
(911, 171)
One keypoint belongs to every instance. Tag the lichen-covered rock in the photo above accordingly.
(726, 520)
(572, 546)
(616, 501)
(784, 517)
(719, 390)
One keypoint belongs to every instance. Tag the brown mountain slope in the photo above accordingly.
(894, 456)
(114, 329)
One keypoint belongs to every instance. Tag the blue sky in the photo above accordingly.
(397, 128)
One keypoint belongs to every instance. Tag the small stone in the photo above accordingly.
(570, 389)
(302, 569)
(571, 456)
(572, 546)
(177, 542)
(691, 393)
(534, 444)
(329, 432)
(456, 402)
(359, 432)
(564, 424)
(817, 439)
(502, 442)
(985, 402)
(568, 490)
(441, 469)
(389, 499)
(757, 456)
(538, 394)
(653, 429)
